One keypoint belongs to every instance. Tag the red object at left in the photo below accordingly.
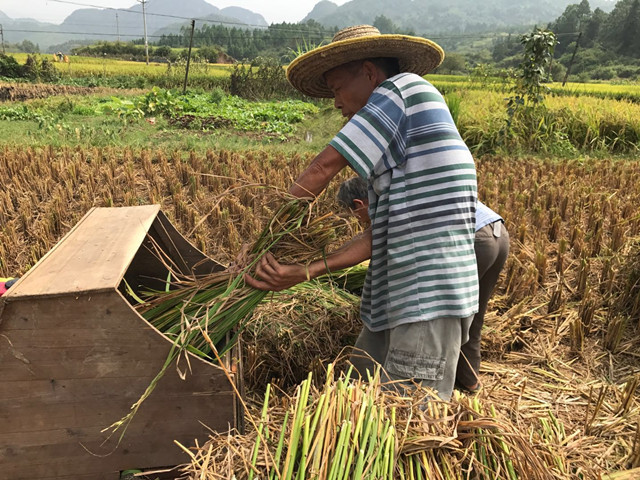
(5, 284)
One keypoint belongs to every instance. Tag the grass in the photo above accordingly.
(571, 125)
(76, 121)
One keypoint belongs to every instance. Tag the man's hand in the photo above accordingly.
(273, 276)
(242, 259)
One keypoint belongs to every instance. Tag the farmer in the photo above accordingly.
(491, 247)
(421, 289)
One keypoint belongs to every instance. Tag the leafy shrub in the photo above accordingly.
(628, 71)
(263, 79)
(39, 69)
(163, 51)
(603, 73)
(9, 67)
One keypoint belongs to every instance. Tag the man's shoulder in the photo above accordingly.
(405, 79)
(409, 88)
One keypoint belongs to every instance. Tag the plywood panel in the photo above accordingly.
(106, 355)
(92, 257)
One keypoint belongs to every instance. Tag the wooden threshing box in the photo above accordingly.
(74, 357)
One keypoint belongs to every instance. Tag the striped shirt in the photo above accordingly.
(422, 200)
(485, 216)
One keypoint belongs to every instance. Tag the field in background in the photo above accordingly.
(110, 72)
(561, 339)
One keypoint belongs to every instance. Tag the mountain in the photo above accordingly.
(245, 16)
(430, 16)
(322, 9)
(163, 16)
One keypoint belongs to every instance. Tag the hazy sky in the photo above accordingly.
(53, 12)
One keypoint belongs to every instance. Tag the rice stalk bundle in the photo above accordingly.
(297, 331)
(348, 428)
(205, 315)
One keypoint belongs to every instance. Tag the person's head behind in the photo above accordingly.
(353, 83)
(353, 195)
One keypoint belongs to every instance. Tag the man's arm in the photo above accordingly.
(271, 275)
(319, 173)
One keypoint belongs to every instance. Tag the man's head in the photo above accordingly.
(353, 83)
(353, 195)
(389, 53)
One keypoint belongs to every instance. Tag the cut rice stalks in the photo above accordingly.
(352, 429)
(206, 313)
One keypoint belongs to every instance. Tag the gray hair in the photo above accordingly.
(353, 189)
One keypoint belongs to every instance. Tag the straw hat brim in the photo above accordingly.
(415, 54)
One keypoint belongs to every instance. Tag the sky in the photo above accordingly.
(273, 11)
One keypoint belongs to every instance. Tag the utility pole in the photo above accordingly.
(2, 37)
(117, 27)
(144, 21)
(572, 58)
(186, 73)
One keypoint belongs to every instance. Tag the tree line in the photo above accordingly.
(606, 45)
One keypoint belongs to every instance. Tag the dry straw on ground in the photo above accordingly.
(561, 337)
(352, 429)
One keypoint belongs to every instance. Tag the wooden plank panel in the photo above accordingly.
(59, 460)
(92, 257)
(106, 356)
(213, 408)
(114, 475)
(186, 255)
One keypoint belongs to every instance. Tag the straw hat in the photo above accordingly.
(415, 54)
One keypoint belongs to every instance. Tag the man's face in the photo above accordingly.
(352, 86)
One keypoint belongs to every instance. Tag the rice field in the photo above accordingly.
(622, 91)
(561, 349)
(82, 66)
(561, 346)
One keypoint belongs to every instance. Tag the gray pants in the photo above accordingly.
(491, 254)
(424, 352)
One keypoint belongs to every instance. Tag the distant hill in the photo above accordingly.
(453, 16)
(107, 24)
(245, 16)
(322, 9)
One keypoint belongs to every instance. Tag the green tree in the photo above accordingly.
(621, 26)
(453, 63)
(385, 24)
(539, 47)
(570, 22)
(527, 114)
(592, 27)
(28, 47)
(630, 35)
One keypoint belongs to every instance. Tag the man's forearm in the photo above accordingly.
(352, 253)
(319, 173)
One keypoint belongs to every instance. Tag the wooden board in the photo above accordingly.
(92, 257)
(106, 355)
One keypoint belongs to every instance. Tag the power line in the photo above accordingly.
(80, 33)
